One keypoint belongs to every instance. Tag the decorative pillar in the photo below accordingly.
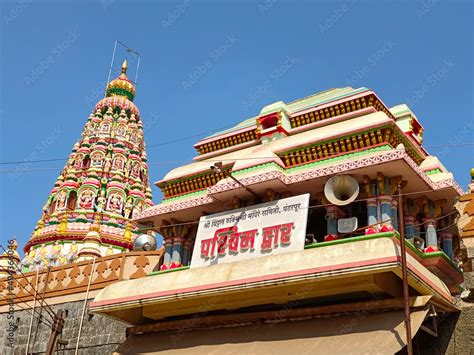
(372, 219)
(431, 238)
(431, 210)
(447, 243)
(168, 241)
(411, 207)
(176, 254)
(332, 214)
(386, 213)
(187, 252)
(394, 213)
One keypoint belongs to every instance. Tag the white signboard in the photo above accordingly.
(270, 228)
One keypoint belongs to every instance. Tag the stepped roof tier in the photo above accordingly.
(293, 215)
(103, 186)
(301, 142)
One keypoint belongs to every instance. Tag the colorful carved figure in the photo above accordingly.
(53, 255)
(61, 200)
(121, 131)
(41, 260)
(118, 163)
(86, 199)
(108, 164)
(136, 170)
(97, 160)
(137, 209)
(128, 207)
(28, 262)
(71, 256)
(105, 129)
(115, 203)
(101, 200)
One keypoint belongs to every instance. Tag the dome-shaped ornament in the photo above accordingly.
(144, 242)
(122, 86)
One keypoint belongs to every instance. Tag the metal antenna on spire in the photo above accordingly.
(129, 50)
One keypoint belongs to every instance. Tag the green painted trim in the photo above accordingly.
(387, 235)
(180, 197)
(189, 178)
(350, 240)
(363, 152)
(258, 167)
(312, 103)
(153, 273)
(402, 138)
(433, 171)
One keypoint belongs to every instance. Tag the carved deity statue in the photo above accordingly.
(101, 200)
(128, 207)
(86, 199)
(97, 160)
(115, 203)
(28, 261)
(71, 256)
(62, 199)
(137, 209)
(53, 255)
(118, 163)
(108, 164)
(136, 170)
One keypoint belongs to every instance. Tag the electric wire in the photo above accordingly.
(309, 207)
(26, 309)
(190, 161)
(200, 134)
(48, 308)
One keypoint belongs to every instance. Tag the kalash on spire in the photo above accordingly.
(104, 185)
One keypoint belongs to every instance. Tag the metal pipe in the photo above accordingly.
(32, 314)
(41, 304)
(406, 294)
(136, 72)
(84, 307)
(110, 68)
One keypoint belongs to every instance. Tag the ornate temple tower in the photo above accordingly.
(103, 186)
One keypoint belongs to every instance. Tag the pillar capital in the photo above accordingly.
(371, 202)
(178, 240)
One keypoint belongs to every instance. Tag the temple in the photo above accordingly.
(291, 217)
(104, 185)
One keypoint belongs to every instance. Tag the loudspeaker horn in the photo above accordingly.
(341, 190)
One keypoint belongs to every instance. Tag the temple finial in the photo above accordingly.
(124, 67)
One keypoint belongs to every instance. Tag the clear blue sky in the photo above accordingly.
(209, 64)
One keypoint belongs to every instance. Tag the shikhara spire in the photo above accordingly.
(102, 187)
